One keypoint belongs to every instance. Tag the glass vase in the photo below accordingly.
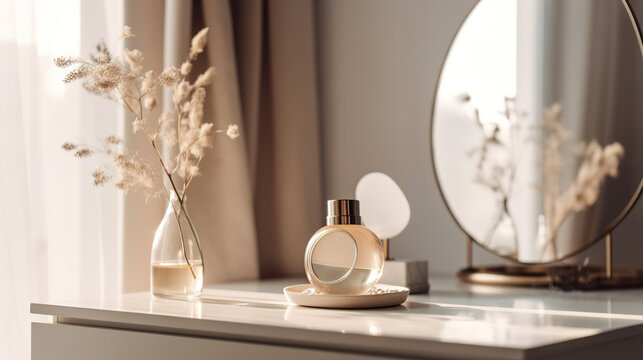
(176, 260)
(502, 236)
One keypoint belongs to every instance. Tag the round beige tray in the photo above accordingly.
(380, 296)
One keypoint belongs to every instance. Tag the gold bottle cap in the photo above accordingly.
(343, 212)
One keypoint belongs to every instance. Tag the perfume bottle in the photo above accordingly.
(344, 257)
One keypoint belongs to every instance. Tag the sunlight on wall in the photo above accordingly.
(50, 35)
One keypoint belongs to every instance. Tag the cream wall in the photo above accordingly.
(379, 63)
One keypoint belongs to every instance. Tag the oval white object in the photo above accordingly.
(383, 206)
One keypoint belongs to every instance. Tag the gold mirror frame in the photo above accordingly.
(606, 234)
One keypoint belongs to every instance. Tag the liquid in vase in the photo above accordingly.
(176, 279)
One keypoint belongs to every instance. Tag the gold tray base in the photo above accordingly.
(569, 277)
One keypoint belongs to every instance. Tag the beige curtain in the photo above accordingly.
(259, 198)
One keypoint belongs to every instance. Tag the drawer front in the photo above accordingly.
(78, 342)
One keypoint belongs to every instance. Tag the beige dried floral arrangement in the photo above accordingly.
(181, 129)
(597, 163)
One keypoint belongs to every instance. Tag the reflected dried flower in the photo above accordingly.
(232, 131)
(612, 155)
(596, 164)
(495, 167)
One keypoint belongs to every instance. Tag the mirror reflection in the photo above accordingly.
(536, 122)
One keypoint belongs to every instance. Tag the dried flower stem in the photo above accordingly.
(177, 215)
(179, 197)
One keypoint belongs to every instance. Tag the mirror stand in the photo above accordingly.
(569, 277)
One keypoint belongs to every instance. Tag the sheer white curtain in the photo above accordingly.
(59, 236)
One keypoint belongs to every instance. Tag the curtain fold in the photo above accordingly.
(264, 53)
(290, 204)
(223, 211)
(141, 216)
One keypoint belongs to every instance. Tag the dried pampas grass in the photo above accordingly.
(181, 127)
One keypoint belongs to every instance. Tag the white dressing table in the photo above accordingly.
(254, 321)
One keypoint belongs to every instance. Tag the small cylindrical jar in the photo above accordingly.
(344, 257)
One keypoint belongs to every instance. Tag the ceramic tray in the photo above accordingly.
(379, 296)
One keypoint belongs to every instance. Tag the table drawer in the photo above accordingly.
(79, 342)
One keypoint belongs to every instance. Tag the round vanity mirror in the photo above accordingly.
(537, 138)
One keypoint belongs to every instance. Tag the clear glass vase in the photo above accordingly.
(176, 260)
(502, 236)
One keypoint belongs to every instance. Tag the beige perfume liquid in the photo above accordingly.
(358, 279)
(176, 279)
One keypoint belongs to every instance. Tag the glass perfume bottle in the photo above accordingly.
(344, 257)
(176, 260)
